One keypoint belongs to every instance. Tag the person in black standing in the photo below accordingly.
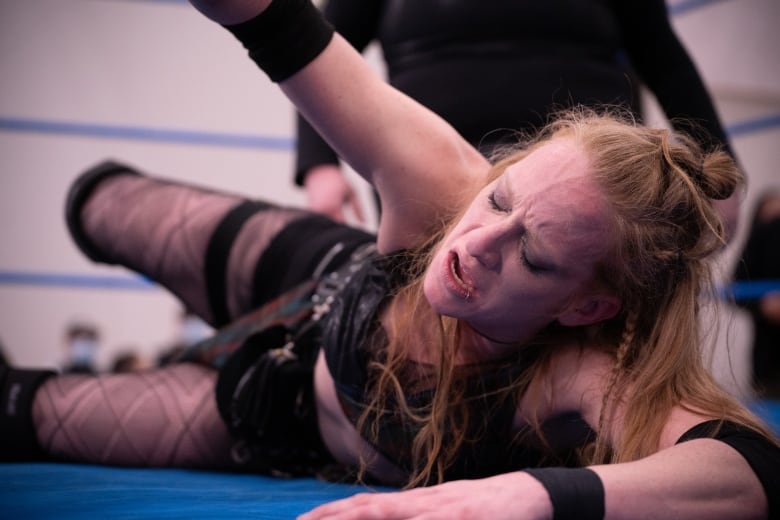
(760, 262)
(494, 69)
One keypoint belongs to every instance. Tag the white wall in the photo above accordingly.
(74, 70)
(132, 65)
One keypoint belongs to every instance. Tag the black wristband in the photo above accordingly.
(285, 37)
(575, 493)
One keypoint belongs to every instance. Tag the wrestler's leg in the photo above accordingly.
(161, 418)
(203, 245)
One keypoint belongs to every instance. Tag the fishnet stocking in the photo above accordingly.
(161, 229)
(165, 417)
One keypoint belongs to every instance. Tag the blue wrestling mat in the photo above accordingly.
(78, 491)
(70, 491)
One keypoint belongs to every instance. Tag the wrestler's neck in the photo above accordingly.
(479, 346)
(475, 347)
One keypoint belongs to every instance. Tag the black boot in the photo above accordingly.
(78, 194)
(18, 440)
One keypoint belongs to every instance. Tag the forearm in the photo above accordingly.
(699, 479)
(703, 478)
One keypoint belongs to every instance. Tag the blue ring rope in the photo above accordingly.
(739, 291)
(80, 281)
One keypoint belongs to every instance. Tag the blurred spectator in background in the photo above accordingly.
(82, 340)
(494, 68)
(760, 262)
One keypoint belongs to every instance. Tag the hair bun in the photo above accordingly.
(711, 178)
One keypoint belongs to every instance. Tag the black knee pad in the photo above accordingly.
(18, 440)
(218, 253)
(298, 250)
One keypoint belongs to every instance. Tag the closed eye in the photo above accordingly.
(532, 267)
(528, 265)
(494, 203)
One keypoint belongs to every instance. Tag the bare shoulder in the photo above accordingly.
(680, 420)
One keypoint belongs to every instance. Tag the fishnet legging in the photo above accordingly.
(161, 229)
(164, 417)
(168, 416)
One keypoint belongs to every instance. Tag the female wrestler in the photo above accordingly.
(560, 284)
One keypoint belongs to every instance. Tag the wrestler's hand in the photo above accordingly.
(227, 12)
(328, 192)
(513, 496)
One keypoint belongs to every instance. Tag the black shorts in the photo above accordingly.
(296, 252)
(268, 403)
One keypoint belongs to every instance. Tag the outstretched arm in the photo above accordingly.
(697, 479)
(701, 479)
(421, 167)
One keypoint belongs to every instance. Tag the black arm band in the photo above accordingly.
(575, 493)
(285, 37)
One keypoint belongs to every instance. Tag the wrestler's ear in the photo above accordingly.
(589, 310)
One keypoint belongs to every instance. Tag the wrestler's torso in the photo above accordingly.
(341, 383)
(341, 436)
(567, 415)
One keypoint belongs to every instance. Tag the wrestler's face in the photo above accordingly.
(523, 254)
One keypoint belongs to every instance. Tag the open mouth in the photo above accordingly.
(457, 275)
